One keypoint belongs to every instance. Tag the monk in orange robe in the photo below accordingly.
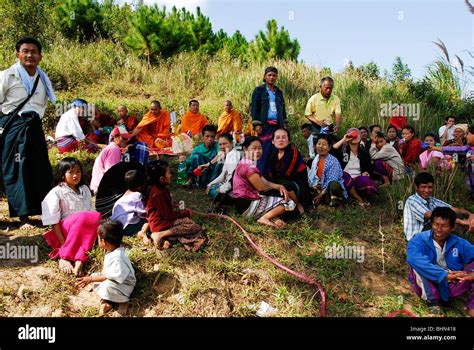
(230, 121)
(192, 120)
(129, 121)
(154, 128)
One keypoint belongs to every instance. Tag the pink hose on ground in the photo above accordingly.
(260, 251)
(399, 312)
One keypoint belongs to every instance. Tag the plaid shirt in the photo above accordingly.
(414, 211)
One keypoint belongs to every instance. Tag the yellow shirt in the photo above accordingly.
(322, 109)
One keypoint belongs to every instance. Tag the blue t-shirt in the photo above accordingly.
(272, 109)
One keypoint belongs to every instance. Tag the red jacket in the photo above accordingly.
(159, 210)
(410, 151)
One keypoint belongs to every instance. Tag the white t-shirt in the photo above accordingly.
(68, 125)
(353, 166)
(450, 132)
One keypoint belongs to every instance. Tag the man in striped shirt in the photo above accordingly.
(419, 206)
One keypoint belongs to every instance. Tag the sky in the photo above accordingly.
(331, 32)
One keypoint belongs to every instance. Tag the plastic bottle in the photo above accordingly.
(182, 175)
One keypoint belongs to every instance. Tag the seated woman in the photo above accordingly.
(248, 184)
(430, 158)
(357, 165)
(388, 163)
(287, 167)
(459, 134)
(410, 149)
(325, 175)
(364, 137)
(68, 207)
(69, 134)
(392, 137)
(230, 157)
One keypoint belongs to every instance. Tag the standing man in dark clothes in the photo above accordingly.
(26, 170)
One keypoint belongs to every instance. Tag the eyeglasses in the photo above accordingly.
(32, 52)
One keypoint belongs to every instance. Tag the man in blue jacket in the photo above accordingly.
(441, 263)
(268, 114)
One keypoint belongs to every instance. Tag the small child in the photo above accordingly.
(165, 222)
(117, 280)
(129, 210)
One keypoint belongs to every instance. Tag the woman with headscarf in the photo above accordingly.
(268, 114)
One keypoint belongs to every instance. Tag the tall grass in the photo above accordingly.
(106, 74)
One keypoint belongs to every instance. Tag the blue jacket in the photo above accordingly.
(421, 255)
(261, 104)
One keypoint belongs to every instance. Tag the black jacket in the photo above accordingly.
(343, 155)
(261, 104)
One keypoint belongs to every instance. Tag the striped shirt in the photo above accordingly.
(414, 213)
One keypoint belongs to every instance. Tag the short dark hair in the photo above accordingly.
(192, 102)
(431, 134)
(450, 116)
(156, 170)
(423, 178)
(156, 102)
(268, 70)
(471, 129)
(392, 127)
(363, 128)
(409, 128)
(134, 179)
(111, 232)
(372, 127)
(380, 135)
(444, 213)
(227, 136)
(64, 165)
(209, 128)
(326, 78)
(28, 40)
(249, 140)
(306, 126)
(284, 129)
(324, 137)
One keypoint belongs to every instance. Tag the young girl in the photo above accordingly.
(117, 280)
(129, 209)
(410, 149)
(68, 207)
(431, 157)
(165, 223)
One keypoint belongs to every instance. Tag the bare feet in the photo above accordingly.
(122, 309)
(65, 266)
(159, 241)
(144, 238)
(300, 208)
(470, 312)
(385, 184)
(78, 265)
(25, 224)
(263, 220)
(104, 307)
(280, 223)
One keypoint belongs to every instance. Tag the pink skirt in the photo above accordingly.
(80, 232)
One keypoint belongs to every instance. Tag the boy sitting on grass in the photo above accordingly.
(204, 158)
(117, 280)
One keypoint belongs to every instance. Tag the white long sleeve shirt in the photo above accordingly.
(68, 125)
(231, 160)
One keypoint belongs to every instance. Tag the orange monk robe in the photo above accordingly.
(154, 127)
(193, 122)
(130, 123)
(230, 122)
